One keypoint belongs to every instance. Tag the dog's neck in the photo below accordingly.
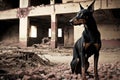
(91, 25)
(91, 31)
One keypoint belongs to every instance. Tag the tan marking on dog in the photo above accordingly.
(77, 59)
(82, 21)
(86, 45)
(97, 46)
(79, 21)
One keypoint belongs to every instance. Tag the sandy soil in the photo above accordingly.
(106, 56)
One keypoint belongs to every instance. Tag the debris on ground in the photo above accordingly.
(61, 72)
(30, 64)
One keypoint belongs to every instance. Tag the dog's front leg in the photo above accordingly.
(83, 66)
(96, 57)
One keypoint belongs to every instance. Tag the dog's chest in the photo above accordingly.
(90, 49)
(90, 37)
(91, 46)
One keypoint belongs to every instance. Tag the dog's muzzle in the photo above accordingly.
(77, 21)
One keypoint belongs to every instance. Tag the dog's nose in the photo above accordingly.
(71, 22)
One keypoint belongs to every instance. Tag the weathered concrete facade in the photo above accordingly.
(55, 15)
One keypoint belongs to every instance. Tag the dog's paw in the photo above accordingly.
(84, 78)
(96, 78)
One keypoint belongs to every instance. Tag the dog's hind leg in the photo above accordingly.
(86, 67)
(96, 57)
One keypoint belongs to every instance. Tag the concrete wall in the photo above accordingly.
(109, 31)
(78, 32)
(110, 34)
(68, 36)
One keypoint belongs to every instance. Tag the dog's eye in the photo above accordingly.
(81, 14)
(86, 17)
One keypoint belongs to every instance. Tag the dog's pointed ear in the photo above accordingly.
(81, 6)
(91, 6)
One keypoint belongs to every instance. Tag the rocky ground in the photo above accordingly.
(53, 64)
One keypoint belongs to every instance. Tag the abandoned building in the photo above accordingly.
(28, 22)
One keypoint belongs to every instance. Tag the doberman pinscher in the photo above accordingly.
(89, 44)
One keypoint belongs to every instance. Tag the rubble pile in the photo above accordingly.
(61, 72)
(22, 60)
(14, 61)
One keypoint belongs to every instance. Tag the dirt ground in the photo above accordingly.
(53, 64)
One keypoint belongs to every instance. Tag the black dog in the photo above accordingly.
(88, 44)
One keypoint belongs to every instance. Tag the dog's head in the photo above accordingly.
(83, 15)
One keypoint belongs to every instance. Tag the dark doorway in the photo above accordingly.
(9, 31)
(8, 4)
(58, 1)
(39, 2)
(38, 29)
